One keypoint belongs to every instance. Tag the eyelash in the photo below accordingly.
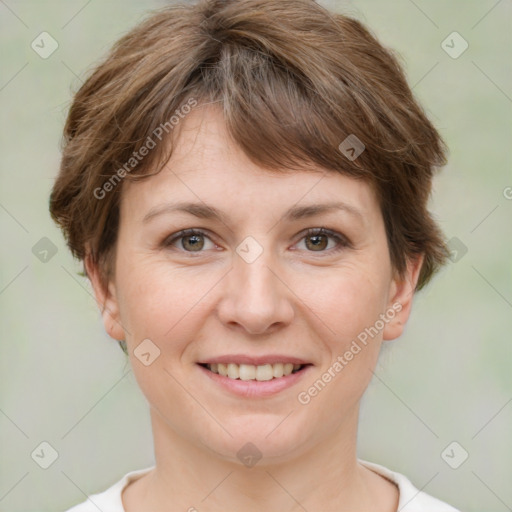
(342, 242)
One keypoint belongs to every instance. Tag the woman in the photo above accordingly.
(246, 183)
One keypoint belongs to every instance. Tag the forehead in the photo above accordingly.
(207, 166)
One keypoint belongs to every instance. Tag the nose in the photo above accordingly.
(255, 296)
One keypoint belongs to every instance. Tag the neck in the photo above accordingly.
(325, 476)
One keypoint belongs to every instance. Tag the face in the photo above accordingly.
(256, 284)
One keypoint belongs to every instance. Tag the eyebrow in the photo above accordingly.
(204, 211)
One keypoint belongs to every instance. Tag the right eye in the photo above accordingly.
(192, 240)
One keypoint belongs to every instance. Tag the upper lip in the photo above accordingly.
(254, 360)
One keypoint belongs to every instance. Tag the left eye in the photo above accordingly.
(317, 240)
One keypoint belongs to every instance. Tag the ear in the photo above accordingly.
(400, 298)
(105, 294)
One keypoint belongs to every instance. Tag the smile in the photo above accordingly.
(262, 379)
(252, 372)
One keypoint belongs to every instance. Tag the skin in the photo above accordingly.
(294, 299)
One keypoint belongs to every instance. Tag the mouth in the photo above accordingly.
(249, 372)
(254, 377)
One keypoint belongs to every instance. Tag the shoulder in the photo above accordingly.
(110, 499)
(411, 499)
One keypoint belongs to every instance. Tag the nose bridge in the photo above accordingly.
(255, 279)
(256, 298)
(253, 259)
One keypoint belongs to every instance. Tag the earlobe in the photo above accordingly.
(105, 294)
(401, 297)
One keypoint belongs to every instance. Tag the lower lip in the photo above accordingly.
(254, 388)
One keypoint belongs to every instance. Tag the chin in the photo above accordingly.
(260, 439)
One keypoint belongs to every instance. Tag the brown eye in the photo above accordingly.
(192, 242)
(317, 242)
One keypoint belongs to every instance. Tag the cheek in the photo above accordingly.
(158, 305)
(346, 301)
(349, 307)
(162, 302)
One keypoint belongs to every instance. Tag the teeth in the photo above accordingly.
(247, 372)
(222, 369)
(251, 372)
(264, 372)
(278, 369)
(233, 371)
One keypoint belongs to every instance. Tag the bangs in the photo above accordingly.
(273, 114)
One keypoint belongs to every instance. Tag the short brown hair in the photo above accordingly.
(294, 80)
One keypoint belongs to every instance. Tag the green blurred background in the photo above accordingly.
(449, 378)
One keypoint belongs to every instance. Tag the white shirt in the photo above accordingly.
(410, 500)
